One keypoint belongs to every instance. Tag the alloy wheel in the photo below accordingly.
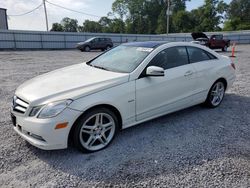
(97, 131)
(217, 93)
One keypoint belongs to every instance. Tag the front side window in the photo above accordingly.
(123, 58)
(218, 37)
(197, 55)
(170, 58)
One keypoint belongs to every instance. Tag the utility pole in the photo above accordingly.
(168, 13)
(46, 16)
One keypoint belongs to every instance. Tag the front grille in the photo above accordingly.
(19, 105)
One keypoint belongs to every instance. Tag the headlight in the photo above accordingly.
(53, 109)
(35, 110)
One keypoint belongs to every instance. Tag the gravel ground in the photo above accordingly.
(196, 147)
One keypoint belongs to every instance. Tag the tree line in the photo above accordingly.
(149, 17)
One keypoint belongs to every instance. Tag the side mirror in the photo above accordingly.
(155, 71)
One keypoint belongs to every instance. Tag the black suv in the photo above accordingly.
(95, 43)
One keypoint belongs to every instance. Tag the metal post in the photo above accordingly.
(168, 12)
(46, 16)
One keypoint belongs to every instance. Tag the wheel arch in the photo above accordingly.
(224, 81)
(219, 79)
(108, 106)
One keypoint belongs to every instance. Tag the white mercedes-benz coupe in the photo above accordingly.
(89, 103)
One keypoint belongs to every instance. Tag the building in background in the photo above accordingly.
(3, 19)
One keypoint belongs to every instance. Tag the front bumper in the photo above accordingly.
(80, 47)
(42, 133)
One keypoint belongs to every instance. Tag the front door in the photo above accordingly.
(173, 91)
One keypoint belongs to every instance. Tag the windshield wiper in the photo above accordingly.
(99, 67)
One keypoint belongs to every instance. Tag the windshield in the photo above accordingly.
(121, 59)
(89, 39)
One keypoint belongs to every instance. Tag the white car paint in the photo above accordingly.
(137, 100)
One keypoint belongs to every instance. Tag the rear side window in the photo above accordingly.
(170, 58)
(197, 55)
(211, 56)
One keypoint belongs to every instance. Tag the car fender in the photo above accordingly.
(121, 97)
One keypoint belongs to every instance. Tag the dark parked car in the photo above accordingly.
(95, 43)
(214, 42)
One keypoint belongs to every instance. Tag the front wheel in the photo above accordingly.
(86, 48)
(215, 95)
(95, 130)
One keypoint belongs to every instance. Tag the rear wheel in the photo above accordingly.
(108, 47)
(224, 49)
(216, 94)
(95, 130)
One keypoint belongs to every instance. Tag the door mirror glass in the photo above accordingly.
(155, 71)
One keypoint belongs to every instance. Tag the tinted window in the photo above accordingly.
(211, 56)
(170, 57)
(196, 55)
(218, 37)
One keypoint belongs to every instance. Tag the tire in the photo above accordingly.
(224, 49)
(86, 48)
(216, 94)
(108, 47)
(95, 130)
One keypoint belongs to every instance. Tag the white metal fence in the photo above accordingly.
(15, 39)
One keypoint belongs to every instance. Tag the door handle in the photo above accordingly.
(188, 73)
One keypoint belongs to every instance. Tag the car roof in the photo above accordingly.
(147, 44)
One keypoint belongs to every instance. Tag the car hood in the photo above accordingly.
(81, 43)
(68, 83)
(199, 35)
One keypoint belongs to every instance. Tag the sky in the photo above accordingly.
(36, 20)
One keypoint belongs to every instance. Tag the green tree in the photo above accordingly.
(182, 21)
(238, 15)
(161, 23)
(146, 16)
(117, 26)
(120, 7)
(92, 26)
(56, 27)
(209, 16)
(69, 25)
(105, 23)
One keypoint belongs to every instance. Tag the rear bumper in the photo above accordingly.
(230, 81)
(41, 133)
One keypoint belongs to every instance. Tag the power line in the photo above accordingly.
(28, 11)
(73, 10)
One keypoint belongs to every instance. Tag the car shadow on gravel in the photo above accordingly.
(170, 144)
